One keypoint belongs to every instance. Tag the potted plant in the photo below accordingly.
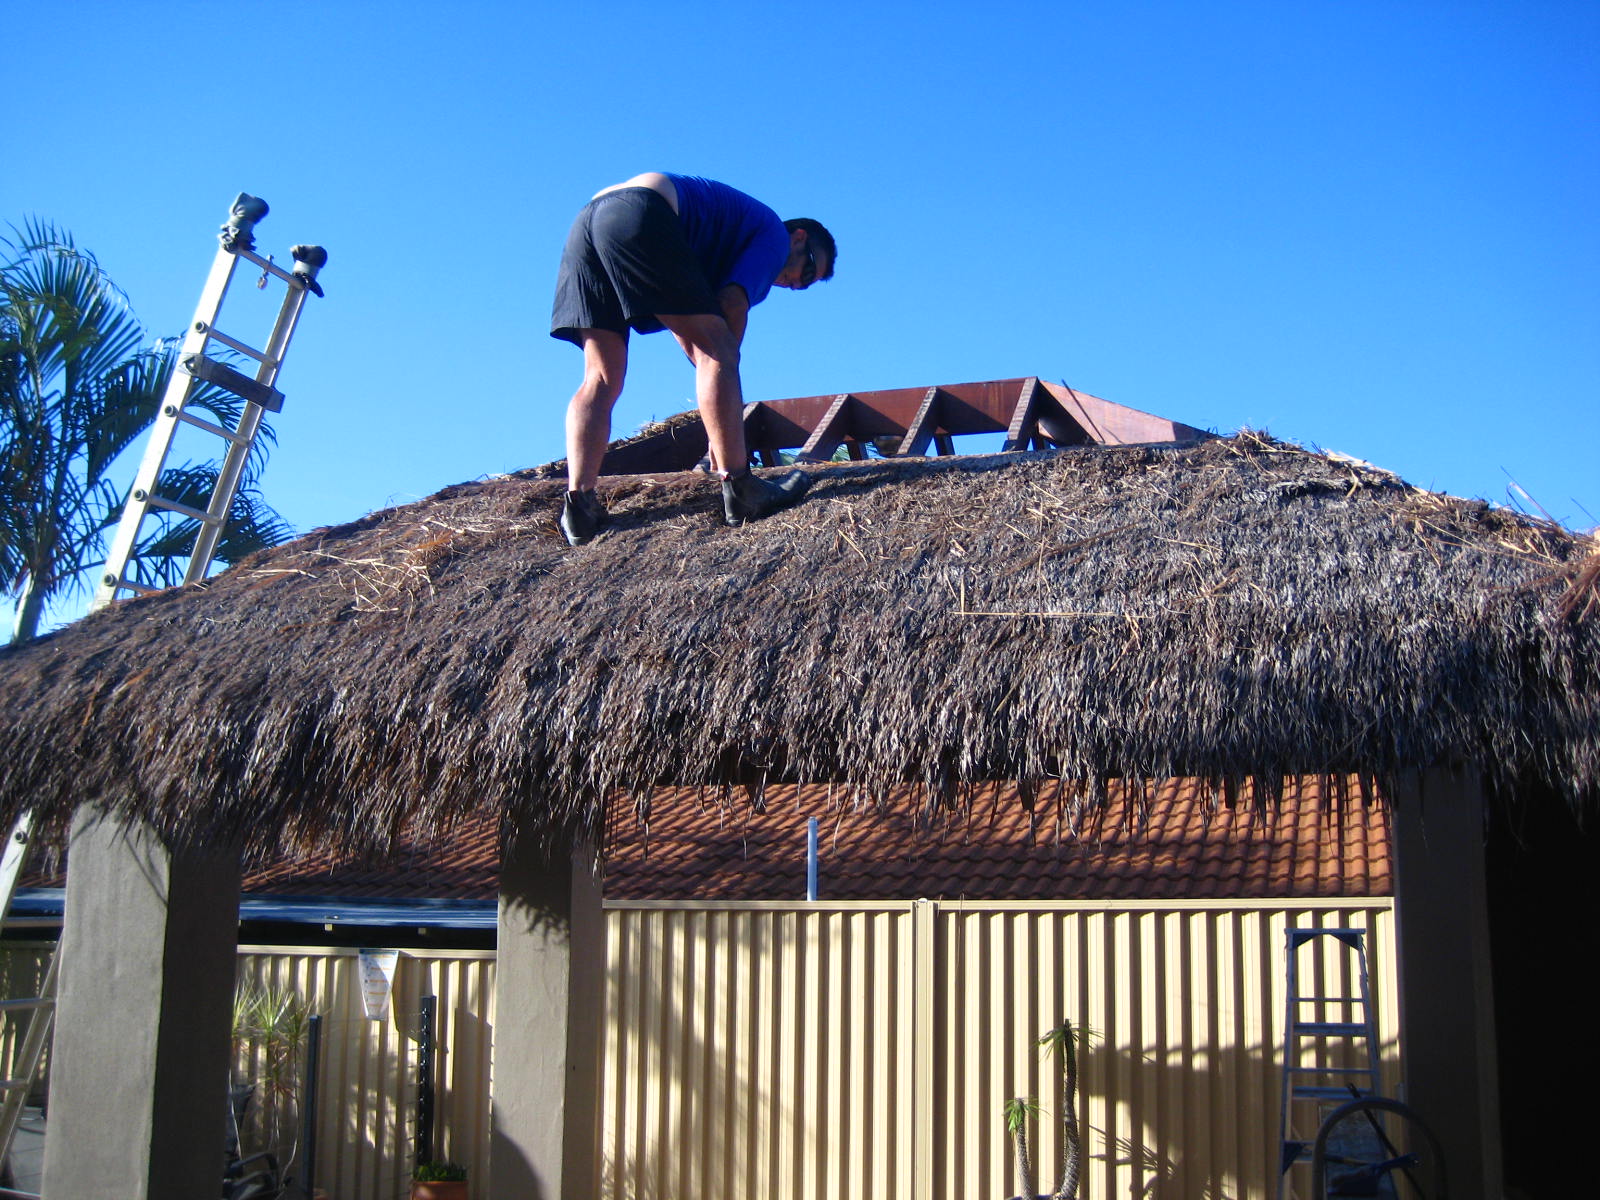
(439, 1181)
(270, 1026)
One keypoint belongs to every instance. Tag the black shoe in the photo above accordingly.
(747, 497)
(582, 516)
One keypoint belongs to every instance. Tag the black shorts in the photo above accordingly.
(627, 260)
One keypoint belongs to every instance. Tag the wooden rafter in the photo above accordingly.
(920, 431)
(829, 432)
(1024, 427)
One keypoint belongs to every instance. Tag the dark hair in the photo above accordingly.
(818, 238)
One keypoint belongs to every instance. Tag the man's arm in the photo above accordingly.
(735, 311)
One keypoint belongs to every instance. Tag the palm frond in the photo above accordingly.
(79, 385)
(252, 525)
(126, 401)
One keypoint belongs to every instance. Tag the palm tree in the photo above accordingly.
(1063, 1040)
(78, 385)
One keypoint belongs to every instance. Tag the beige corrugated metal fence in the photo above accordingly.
(858, 1051)
(846, 1051)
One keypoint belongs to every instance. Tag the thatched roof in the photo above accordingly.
(1228, 610)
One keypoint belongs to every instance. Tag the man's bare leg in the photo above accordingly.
(714, 349)
(717, 390)
(605, 363)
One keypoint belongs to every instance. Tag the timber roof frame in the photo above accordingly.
(906, 423)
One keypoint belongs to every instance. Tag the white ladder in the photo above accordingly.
(194, 367)
(1317, 1071)
(25, 1063)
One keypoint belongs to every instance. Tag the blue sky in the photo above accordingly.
(1369, 226)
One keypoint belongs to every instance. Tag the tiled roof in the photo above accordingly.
(462, 865)
(1182, 846)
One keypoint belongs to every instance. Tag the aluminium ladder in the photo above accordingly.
(30, 1051)
(1323, 1035)
(195, 367)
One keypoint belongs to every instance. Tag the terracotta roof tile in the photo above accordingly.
(1174, 844)
(1171, 843)
(465, 867)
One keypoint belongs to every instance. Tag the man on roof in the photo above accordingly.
(690, 255)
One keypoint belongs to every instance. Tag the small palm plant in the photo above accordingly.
(1062, 1040)
(1019, 1112)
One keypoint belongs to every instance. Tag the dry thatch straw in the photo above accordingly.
(1234, 610)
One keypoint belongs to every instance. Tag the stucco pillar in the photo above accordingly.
(549, 992)
(1446, 992)
(139, 1067)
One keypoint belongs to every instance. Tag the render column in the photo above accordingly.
(1446, 991)
(549, 993)
(139, 1068)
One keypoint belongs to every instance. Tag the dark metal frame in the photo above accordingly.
(906, 422)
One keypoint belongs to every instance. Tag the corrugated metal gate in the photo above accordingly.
(846, 1051)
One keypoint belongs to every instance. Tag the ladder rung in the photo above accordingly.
(236, 344)
(1332, 1029)
(1331, 1070)
(271, 268)
(210, 427)
(184, 510)
(25, 1003)
(1327, 1000)
(1349, 935)
(1329, 1093)
(131, 586)
(11, 1085)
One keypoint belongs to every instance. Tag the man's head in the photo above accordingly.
(812, 252)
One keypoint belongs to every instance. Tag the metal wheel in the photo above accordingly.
(1377, 1147)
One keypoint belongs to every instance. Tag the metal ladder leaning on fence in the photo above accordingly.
(25, 1064)
(1315, 1075)
(260, 397)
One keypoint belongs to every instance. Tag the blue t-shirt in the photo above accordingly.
(737, 238)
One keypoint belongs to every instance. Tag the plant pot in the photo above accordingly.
(454, 1189)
